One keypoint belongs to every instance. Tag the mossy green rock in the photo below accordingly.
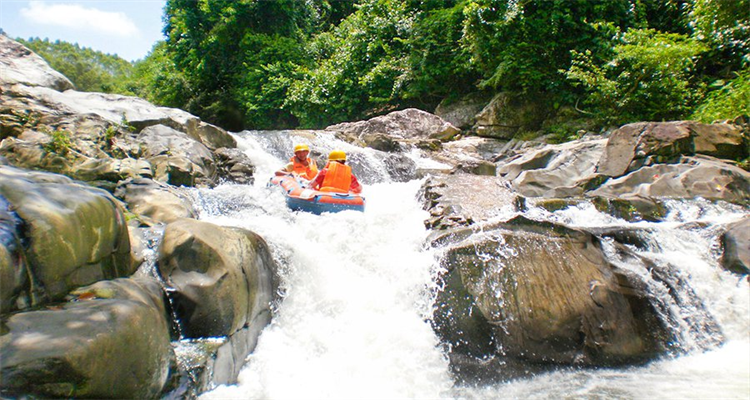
(76, 234)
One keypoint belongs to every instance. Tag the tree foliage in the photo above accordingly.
(256, 64)
(647, 78)
(89, 70)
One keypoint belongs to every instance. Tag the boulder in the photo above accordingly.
(110, 169)
(736, 244)
(462, 112)
(647, 143)
(75, 234)
(21, 66)
(400, 167)
(13, 265)
(629, 146)
(460, 200)
(155, 200)
(722, 140)
(224, 278)
(562, 170)
(176, 158)
(699, 176)
(507, 115)
(469, 154)
(234, 165)
(550, 296)
(410, 123)
(111, 342)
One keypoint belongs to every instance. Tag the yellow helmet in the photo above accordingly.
(301, 147)
(337, 155)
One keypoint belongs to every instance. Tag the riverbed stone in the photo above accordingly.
(563, 170)
(698, 176)
(736, 244)
(223, 278)
(629, 147)
(550, 295)
(22, 66)
(176, 158)
(111, 341)
(76, 234)
(234, 165)
(722, 140)
(155, 200)
(410, 123)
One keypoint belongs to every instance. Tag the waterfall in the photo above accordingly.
(354, 320)
(358, 291)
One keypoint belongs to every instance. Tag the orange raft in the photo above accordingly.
(300, 198)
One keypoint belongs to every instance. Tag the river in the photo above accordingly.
(358, 290)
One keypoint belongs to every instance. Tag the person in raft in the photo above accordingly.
(336, 176)
(300, 165)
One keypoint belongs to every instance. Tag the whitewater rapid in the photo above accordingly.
(357, 293)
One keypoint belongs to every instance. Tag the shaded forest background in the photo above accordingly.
(250, 64)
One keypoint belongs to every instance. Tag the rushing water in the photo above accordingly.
(358, 289)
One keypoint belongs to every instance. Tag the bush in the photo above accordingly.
(728, 102)
(648, 78)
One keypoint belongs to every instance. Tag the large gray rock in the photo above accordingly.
(405, 124)
(548, 294)
(722, 140)
(21, 66)
(155, 200)
(224, 278)
(629, 146)
(462, 112)
(562, 170)
(736, 244)
(112, 342)
(647, 143)
(175, 157)
(699, 176)
(462, 200)
(234, 165)
(506, 115)
(76, 234)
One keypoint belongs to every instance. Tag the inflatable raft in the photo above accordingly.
(300, 198)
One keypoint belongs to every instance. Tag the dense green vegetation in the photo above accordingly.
(89, 70)
(287, 63)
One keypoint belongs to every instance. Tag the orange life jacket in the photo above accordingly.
(337, 179)
(306, 171)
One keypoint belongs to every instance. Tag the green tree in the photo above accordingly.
(521, 45)
(359, 67)
(648, 77)
(89, 70)
(438, 66)
(216, 43)
(729, 101)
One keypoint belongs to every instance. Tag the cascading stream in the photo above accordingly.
(358, 291)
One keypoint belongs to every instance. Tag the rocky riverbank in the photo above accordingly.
(105, 269)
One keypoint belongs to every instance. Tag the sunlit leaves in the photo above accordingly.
(647, 78)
